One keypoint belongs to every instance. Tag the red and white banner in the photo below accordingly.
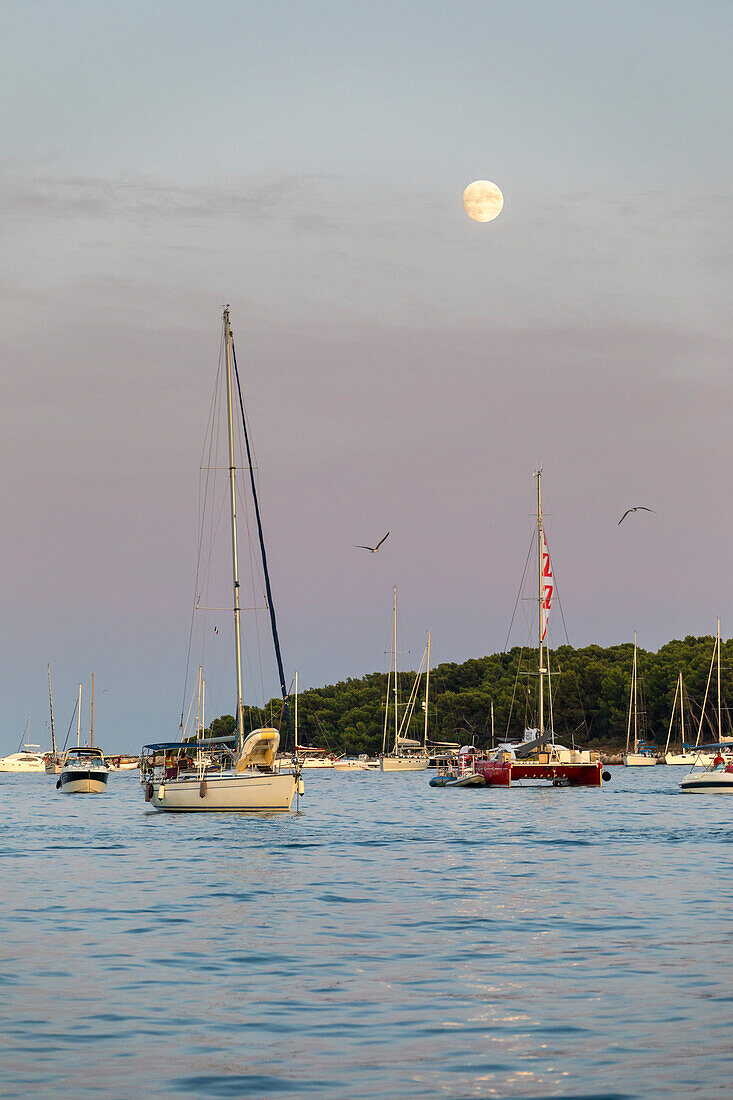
(548, 584)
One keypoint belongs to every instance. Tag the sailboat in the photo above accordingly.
(642, 755)
(407, 754)
(239, 773)
(53, 761)
(539, 758)
(699, 755)
(682, 757)
(715, 758)
(83, 768)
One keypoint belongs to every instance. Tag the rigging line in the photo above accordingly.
(202, 505)
(245, 508)
(73, 716)
(519, 593)
(514, 693)
(273, 620)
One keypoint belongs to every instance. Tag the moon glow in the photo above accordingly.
(482, 201)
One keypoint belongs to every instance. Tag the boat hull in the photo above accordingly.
(249, 793)
(639, 760)
(82, 782)
(708, 783)
(22, 766)
(403, 763)
(512, 773)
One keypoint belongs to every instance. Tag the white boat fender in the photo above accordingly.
(202, 789)
(301, 787)
(161, 790)
(606, 776)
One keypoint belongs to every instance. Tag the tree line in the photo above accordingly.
(590, 690)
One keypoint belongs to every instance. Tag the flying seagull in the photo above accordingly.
(372, 548)
(638, 508)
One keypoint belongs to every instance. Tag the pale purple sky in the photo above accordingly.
(406, 368)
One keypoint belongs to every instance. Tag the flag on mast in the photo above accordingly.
(548, 584)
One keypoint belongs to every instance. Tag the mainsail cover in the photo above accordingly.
(548, 585)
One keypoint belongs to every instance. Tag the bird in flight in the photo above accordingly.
(372, 548)
(638, 508)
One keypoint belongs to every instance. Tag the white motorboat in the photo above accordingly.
(361, 763)
(715, 779)
(407, 754)
(83, 771)
(28, 759)
(247, 777)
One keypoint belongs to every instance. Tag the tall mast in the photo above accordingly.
(634, 691)
(427, 694)
(720, 730)
(233, 508)
(394, 650)
(295, 717)
(53, 731)
(541, 670)
(78, 720)
(91, 724)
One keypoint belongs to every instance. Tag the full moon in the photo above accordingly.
(482, 201)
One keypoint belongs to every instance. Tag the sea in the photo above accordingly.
(387, 939)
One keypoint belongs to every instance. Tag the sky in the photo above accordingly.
(405, 368)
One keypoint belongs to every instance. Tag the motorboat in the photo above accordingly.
(28, 759)
(458, 771)
(83, 771)
(717, 778)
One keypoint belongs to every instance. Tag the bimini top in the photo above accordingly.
(188, 746)
(84, 751)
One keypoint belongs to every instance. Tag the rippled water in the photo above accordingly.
(388, 940)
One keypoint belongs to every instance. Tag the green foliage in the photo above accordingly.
(590, 691)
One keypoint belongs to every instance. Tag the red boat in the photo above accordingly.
(556, 766)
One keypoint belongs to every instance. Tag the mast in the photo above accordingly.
(632, 702)
(233, 512)
(720, 729)
(671, 717)
(636, 728)
(78, 720)
(91, 724)
(541, 593)
(53, 731)
(295, 716)
(682, 715)
(394, 650)
(427, 694)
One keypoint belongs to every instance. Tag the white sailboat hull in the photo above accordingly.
(639, 760)
(250, 792)
(404, 763)
(688, 759)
